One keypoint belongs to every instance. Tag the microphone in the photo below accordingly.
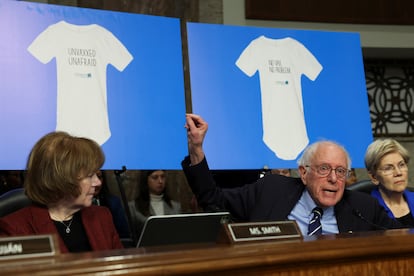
(120, 172)
(216, 209)
(213, 208)
(357, 213)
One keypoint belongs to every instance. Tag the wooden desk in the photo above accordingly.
(376, 253)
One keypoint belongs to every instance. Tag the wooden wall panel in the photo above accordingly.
(328, 11)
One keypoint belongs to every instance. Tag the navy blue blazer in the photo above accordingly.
(273, 197)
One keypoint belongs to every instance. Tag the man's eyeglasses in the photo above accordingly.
(325, 170)
(390, 169)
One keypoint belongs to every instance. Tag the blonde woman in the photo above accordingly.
(387, 163)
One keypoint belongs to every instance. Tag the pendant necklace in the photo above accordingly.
(67, 225)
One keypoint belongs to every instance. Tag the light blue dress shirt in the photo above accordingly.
(302, 214)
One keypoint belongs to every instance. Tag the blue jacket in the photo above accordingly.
(408, 195)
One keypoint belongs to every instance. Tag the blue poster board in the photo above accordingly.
(114, 77)
(267, 93)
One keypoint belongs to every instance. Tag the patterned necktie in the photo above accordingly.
(315, 227)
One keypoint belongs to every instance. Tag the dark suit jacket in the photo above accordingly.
(273, 197)
(35, 220)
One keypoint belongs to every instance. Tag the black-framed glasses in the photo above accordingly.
(325, 170)
(390, 169)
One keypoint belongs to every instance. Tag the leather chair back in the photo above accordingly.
(13, 200)
(365, 186)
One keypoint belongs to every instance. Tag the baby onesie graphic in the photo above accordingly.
(82, 54)
(281, 63)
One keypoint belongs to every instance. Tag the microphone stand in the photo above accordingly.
(119, 180)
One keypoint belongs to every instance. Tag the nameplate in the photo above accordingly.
(261, 231)
(27, 246)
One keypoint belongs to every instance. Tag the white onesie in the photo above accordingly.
(281, 63)
(82, 54)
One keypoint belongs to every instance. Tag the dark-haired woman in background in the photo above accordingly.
(153, 199)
